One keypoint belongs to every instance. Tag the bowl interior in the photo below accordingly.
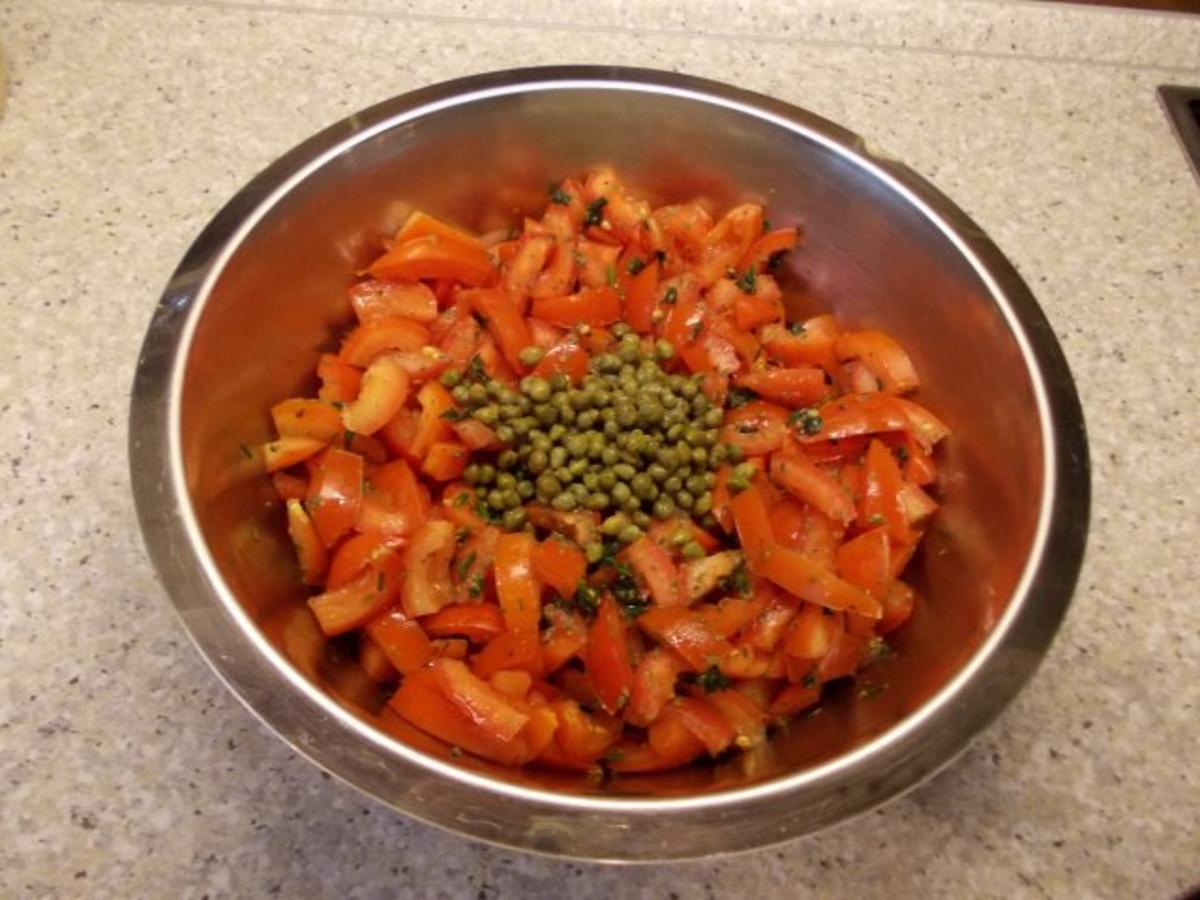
(871, 255)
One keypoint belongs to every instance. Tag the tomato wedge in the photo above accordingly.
(607, 659)
(435, 256)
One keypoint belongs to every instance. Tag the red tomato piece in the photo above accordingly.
(791, 387)
(334, 493)
(435, 256)
(806, 481)
(883, 356)
(402, 641)
(656, 570)
(427, 586)
(517, 585)
(560, 564)
(607, 658)
(374, 300)
(757, 428)
(356, 603)
(591, 306)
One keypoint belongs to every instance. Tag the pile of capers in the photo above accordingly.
(631, 441)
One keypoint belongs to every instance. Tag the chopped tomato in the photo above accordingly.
(883, 356)
(510, 650)
(653, 686)
(374, 300)
(446, 460)
(866, 562)
(382, 393)
(517, 585)
(808, 482)
(502, 314)
(653, 565)
(303, 418)
(285, 452)
(607, 658)
(791, 387)
(354, 554)
(402, 640)
(427, 558)
(335, 493)
(560, 564)
(435, 256)
(370, 339)
(591, 306)
(356, 603)
(478, 622)
(686, 633)
(310, 551)
(756, 428)
(703, 720)
(339, 380)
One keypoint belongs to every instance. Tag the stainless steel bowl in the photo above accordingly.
(262, 290)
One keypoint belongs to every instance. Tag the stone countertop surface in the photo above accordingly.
(128, 770)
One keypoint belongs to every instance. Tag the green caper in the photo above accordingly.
(624, 471)
(673, 484)
(509, 411)
(657, 472)
(695, 485)
(579, 491)
(525, 489)
(548, 486)
(563, 474)
(611, 429)
(745, 471)
(565, 502)
(641, 485)
(606, 481)
(675, 431)
(587, 418)
(626, 413)
(718, 454)
(487, 473)
(591, 480)
(596, 501)
(512, 499)
(668, 458)
(546, 414)
(641, 519)
(488, 415)
(558, 456)
(629, 534)
(608, 363)
(620, 492)
(523, 425)
(663, 507)
(514, 519)
(737, 484)
(632, 505)
(506, 459)
(557, 432)
(613, 525)
(471, 474)
(713, 418)
(703, 504)
(505, 480)
(576, 444)
(478, 394)
(536, 389)
(577, 467)
(609, 456)
(680, 536)
(734, 453)
(593, 551)
(505, 434)
(650, 413)
(537, 462)
(461, 394)
(664, 349)
(688, 389)
(531, 356)
(450, 378)
(495, 498)
(692, 550)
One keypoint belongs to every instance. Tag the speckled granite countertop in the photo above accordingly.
(128, 770)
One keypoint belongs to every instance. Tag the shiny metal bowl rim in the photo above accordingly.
(1066, 487)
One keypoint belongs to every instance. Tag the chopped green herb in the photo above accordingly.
(740, 396)
(808, 421)
(462, 534)
(587, 598)
(661, 255)
(464, 565)
(246, 451)
(746, 428)
(476, 371)
(902, 454)
(610, 276)
(876, 519)
(455, 752)
(878, 648)
(671, 296)
(614, 756)
(775, 259)
(463, 498)
(796, 327)
(558, 195)
(348, 438)
(595, 211)
(748, 283)
(476, 585)
(712, 679)
(380, 581)
(810, 679)
(453, 414)
(737, 582)
(636, 265)
(766, 225)
(870, 691)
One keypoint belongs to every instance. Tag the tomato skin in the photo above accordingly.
(354, 554)
(374, 300)
(883, 356)
(882, 501)
(357, 602)
(427, 587)
(335, 493)
(595, 306)
(808, 482)
(446, 460)
(653, 686)
(303, 418)
(654, 566)
(339, 380)
(686, 633)
(757, 428)
(560, 564)
(478, 622)
(801, 386)
(641, 298)
(866, 561)
(760, 252)
(402, 640)
(607, 659)
(501, 311)
(517, 585)
(567, 358)
(434, 256)
(311, 552)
